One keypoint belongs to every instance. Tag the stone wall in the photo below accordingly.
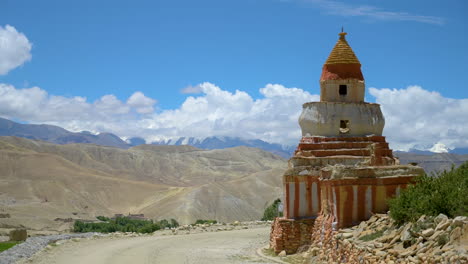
(289, 235)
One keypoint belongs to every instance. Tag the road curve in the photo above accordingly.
(237, 246)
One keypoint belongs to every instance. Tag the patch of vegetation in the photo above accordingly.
(269, 252)
(123, 224)
(7, 245)
(443, 239)
(272, 211)
(202, 222)
(372, 236)
(103, 218)
(443, 193)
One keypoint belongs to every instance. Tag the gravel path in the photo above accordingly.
(35, 244)
(236, 246)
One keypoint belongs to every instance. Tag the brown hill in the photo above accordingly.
(41, 181)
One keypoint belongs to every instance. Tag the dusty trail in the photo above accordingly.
(237, 246)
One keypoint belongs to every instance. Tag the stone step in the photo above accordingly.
(341, 145)
(323, 161)
(342, 139)
(336, 152)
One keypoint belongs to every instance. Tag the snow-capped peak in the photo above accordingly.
(439, 148)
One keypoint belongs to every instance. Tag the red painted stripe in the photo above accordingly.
(348, 210)
(296, 198)
(286, 202)
(390, 191)
(361, 202)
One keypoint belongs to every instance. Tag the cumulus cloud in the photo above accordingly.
(191, 89)
(215, 112)
(15, 49)
(417, 118)
(107, 114)
(141, 103)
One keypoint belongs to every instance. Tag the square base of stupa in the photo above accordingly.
(344, 179)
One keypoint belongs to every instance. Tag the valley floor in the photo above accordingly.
(236, 246)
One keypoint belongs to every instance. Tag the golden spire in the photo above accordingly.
(342, 52)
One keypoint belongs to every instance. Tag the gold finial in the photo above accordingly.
(342, 33)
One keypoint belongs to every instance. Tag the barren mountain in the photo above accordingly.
(41, 181)
(434, 162)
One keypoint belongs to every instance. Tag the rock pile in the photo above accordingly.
(18, 235)
(379, 240)
(200, 228)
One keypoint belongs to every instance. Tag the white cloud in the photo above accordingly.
(107, 114)
(417, 118)
(191, 89)
(348, 10)
(141, 103)
(215, 112)
(15, 49)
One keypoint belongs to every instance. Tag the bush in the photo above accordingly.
(272, 211)
(202, 221)
(174, 223)
(103, 218)
(443, 193)
(123, 224)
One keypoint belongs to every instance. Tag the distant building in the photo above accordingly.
(343, 169)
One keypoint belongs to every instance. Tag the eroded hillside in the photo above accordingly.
(41, 181)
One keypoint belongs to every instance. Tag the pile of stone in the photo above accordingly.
(379, 240)
(236, 225)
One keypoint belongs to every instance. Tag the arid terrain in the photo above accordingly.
(45, 186)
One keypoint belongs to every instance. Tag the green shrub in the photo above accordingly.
(123, 224)
(272, 211)
(8, 244)
(372, 236)
(174, 223)
(444, 193)
(202, 221)
(103, 218)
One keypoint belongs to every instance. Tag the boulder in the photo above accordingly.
(440, 218)
(428, 232)
(443, 225)
(459, 221)
(18, 235)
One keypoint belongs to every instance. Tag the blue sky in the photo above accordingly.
(90, 49)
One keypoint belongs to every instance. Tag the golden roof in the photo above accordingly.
(342, 53)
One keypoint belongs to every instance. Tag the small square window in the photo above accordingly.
(343, 89)
(344, 126)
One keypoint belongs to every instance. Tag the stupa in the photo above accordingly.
(343, 169)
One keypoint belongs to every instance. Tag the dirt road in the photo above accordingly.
(237, 246)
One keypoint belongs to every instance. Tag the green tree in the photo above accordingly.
(174, 223)
(272, 211)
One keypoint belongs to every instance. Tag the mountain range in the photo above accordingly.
(430, 161)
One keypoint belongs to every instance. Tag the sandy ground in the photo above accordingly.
(237, 246)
